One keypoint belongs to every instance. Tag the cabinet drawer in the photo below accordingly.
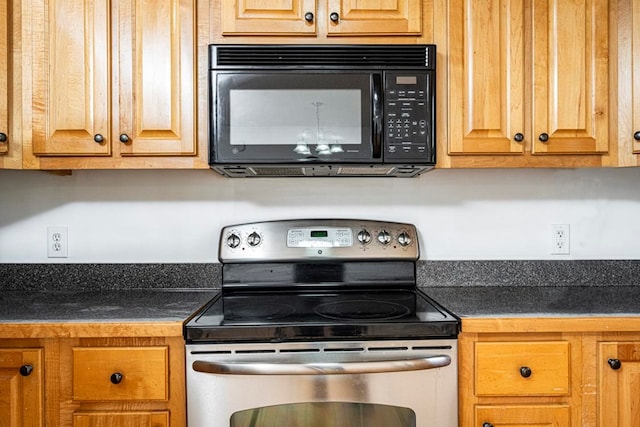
(120, 373)
(522, 369)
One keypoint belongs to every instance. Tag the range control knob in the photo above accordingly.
(364, 236)
(384, 237)
(254, 239)
(404, 239)
(233, 241)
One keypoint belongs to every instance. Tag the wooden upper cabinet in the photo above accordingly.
(156, 99)
(71, 87)
(619, 384)
(528, 77)
(570, 76)
(71, 92)
(113, 77)
(21, 387)
(487, 92)
(374, 17)
(273, 17)
(4, 77)
(338, 17)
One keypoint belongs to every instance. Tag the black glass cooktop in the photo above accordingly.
(302, 315)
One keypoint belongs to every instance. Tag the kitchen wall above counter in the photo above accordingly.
(176, 216)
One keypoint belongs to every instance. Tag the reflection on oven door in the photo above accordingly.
(325, 414)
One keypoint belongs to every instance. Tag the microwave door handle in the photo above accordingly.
(254, 368)
(377, 102)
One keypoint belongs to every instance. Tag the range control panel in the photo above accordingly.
(318, 239)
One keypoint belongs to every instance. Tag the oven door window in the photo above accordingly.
(295, 117)
(325, 414)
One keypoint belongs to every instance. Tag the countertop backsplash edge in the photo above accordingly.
(82, 277)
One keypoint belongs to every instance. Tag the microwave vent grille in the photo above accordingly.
(277, 171)
(323, 56)
(359, 171)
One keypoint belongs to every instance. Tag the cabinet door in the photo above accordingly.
(486, 103)
(156, 77)
(619, 387)
(71, 91)
(4, 75)
(21, 387)
(635, 51)
(523, 415)
(125, 419)
(374, 17)
(269, 17)
(570, 76)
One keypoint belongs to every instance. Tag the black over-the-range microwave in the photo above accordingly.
(322, 110)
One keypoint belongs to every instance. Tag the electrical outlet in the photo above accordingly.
(57, 243)
(560, 239)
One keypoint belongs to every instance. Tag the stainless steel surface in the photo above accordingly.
(290, 240)
(295, 364)
(431, 394)
(320, 368)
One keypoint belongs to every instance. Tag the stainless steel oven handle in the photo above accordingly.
(256, 368)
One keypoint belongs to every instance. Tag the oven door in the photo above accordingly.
(293, 117)
(373, 384)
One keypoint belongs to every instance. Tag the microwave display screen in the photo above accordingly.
(296, 117)
(407, 80)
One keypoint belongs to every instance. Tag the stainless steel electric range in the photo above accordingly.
(319, 323)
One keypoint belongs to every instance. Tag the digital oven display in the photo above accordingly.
(329, 237)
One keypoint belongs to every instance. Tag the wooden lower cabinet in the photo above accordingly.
(122, 382)
(21, 387)
(549, 372)
(523, 415)
(619, 383)
(133, 419)
(92, 375)
(519, 380)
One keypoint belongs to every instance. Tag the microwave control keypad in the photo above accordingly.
(407, 130)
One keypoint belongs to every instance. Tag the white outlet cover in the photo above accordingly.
(57, 242)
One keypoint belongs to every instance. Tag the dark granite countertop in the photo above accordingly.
(49, 293)
(172, 292)
(121, 305)
(538, 301)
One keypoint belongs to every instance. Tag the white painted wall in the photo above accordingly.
(175, 216)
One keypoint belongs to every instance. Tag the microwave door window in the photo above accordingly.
(293, 117)
(311, 123)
